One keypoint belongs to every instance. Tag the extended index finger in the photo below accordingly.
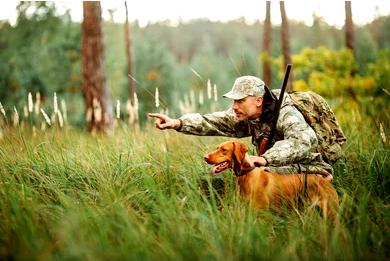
(156, 115)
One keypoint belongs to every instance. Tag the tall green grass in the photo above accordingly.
(136, 195)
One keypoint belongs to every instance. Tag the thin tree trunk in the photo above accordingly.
(98, 105)
(285, 43)
(349, 33)
(129, 57)
(130, 75)
(266, 54)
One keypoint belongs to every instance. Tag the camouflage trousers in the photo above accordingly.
(321, 167)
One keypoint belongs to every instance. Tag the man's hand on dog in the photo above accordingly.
(164, 122)
(258, 161)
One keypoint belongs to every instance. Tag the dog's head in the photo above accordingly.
(229, 154)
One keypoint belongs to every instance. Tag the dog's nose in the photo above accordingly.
(206, 158)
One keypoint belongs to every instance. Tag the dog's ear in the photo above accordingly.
(239, 151)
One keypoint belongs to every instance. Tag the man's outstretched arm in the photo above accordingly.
(164, 122)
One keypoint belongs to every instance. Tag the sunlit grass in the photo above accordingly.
(136, 195)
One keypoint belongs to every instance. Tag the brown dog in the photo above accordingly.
(267, 190)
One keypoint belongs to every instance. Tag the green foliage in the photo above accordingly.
(379, 32)
(333, 75)
(154, 68)
(243, 57)
(41, 53)
(380, 71)
(324, 71)
(365, 42)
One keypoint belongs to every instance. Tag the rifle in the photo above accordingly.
(266, 141)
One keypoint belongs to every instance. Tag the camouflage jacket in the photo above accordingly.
(295, 140)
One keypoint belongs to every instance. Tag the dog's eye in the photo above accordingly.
(223, 149)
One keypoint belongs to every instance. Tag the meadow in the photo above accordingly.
(68, 195)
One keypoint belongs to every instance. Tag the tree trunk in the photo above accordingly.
(130, 75)
(286, 44)
(267, 74)
(349, 34)
(98, 105)
(129, 58)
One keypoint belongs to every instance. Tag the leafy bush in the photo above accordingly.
(326, 72)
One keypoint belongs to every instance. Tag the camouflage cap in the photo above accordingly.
(246, 86)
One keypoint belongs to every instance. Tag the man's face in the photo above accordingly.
(249, 108)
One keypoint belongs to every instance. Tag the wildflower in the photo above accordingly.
(135, 100)
(383, 134)
(64, 110)
(208, 89)
(25, 111)
(37, 104)
(30, 102)
(132, 110)
(46, 117)
(55, 104)
(201, 99)
(215, 93)
(16, 117)
(2, 110)
(60, 119)
(136, 106)
(156, 98)
(118, 109)
(129, 109)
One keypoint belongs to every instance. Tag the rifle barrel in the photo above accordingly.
(279, 103)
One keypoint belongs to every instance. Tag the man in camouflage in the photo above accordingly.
(296, 146)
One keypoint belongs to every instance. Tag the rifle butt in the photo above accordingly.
(263, 146)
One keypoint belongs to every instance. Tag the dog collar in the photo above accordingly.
(243, 171)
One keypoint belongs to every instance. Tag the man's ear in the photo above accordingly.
(259, 100)
(239, 151)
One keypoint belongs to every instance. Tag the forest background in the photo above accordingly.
(42, 53)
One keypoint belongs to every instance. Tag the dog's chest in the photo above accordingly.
(254, 182)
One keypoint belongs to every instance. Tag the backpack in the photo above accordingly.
(322, 119)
